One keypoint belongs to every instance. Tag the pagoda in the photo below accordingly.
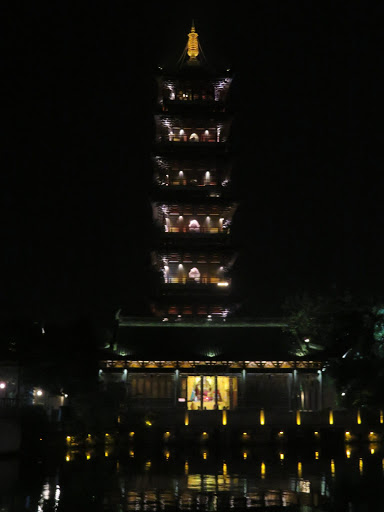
(192, 205)
(192, 353)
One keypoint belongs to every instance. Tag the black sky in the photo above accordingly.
(307, 139)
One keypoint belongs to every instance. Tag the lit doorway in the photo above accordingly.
(210, 392)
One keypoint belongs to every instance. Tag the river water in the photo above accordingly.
(170, 478)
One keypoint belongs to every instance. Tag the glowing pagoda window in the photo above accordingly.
(194, 274)
(194, 226)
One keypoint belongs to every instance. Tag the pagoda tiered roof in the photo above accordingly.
(236, 343)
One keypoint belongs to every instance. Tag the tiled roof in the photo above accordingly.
(252, 343)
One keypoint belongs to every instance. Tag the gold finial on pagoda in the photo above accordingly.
(193, 44)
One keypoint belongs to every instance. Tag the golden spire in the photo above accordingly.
(193, 44)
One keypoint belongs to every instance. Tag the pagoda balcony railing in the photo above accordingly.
(221, 283)
(184, 138)
(201, 230)
(192, 184)
(177, 141)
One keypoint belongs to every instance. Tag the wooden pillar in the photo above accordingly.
(216, 404)
(295, 402)
(202, 392)
(176, 387)
(290, 390)
(243, 387)
(320, 395)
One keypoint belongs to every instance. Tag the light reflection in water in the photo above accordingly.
(262, 470)
(333, 470)
(169, 483)
(49, 497)
(324, 488)
(299, 469)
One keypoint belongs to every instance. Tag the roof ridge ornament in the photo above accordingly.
(193, 50)
(193, 45)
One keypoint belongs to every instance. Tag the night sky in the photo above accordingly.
(307, 139)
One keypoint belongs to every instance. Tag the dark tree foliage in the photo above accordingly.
(62, 359)
(332, 324)
(348, 333)
(56, 357)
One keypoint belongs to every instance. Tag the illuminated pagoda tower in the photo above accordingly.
(192, 205)
(191, 354)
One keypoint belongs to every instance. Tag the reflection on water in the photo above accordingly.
(49, 497)
(160, 479)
